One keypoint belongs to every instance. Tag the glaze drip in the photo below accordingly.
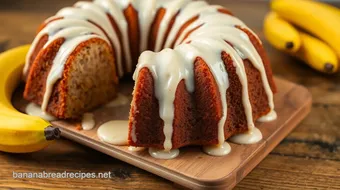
(249, 137)
(35, 110)
(114, 132)
(51, 29)
(116, 12)
(271, 116)
(163, 154)
(120, 100)
(172, 8)
(73, 39)
(218, 150)
(166, 78)
(88, 122)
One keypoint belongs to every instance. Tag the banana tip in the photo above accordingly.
(328, 67)
(52, 133)
(289, 45)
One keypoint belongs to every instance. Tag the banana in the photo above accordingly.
(317, 54)
(330, 7)
(314, 17)
(19, 132)
(281, 34)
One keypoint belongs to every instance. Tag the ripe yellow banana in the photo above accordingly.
(19, 132)
(312, 16)
(317, 54)
(330, 7)
(281, 34)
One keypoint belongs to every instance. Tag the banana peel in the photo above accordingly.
(319, 47)
(317, 54)
(312, 16)
(281, 34)
(19, 133)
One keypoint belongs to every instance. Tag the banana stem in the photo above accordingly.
(52, 133)
(328, 67)
(289, 45)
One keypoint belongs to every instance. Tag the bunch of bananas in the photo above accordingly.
(306, 29)
(19, 132)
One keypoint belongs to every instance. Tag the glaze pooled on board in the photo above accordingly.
(35, 110)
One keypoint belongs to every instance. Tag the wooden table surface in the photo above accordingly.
(308, 158)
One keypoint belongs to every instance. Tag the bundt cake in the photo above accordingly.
(207, 79)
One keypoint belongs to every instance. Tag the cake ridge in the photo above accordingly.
(116, 13)
(91, 12)
(191, 10)
(51, 30)
(242, 45)
(172, 8)
(73, 36)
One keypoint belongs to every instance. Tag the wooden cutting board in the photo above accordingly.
(193, 168)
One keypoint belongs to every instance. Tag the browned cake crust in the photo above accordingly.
(82, 81)
(131, 16)
(154, 28)
(43, 40)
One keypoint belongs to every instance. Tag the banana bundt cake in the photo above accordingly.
(201, 75)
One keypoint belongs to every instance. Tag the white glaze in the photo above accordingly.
(210, 17)
(120, 100)
(51, 28)
(88, 122)
(271, 116)
(218, 150)
(211, 54)
(146, 13)
(123, 4)
(57, 69)
(35, 110)
(94, 13)
(250, 137)
(166, 79)
(133, 128)
(136, 149)
(216, 25)
(115, 10)
(171, 7)
(114, 132)
(193, 9)
(240, 42)
(163, 154)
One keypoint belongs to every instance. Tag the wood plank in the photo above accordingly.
(289, 172)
